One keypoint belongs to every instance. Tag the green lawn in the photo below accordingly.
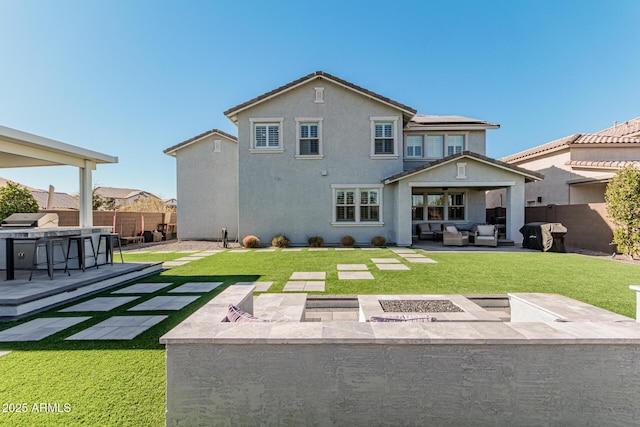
(122, 382)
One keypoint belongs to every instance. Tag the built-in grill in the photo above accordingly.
(30, 220)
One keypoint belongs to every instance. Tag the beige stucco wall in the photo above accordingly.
(282, 194)
(207, 187)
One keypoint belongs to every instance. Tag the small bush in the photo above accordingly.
(347, 241)
(280, 241)
(251, 242)
(316, 242)
(378, 241)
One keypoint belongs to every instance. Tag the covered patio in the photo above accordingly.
(19, 296)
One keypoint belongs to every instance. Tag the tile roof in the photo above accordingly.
(119, 193)
(430, 120)
(603, 164)
(628, 128)
(60, 200)
(231, 112)
(531, 174)
(567, 141)
(198, 137)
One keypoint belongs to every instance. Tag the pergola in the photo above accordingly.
(22, 149)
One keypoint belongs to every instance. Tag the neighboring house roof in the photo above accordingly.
(628, 128)
(171, 151)
(529, 175)
(603, 164)
(421, 121)
(567, 141)
(60, 200)
(232, 113)
(121, 193)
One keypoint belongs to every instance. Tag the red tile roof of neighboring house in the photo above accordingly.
(628, 128)
(528, 173)
(603, 164)
(183, 144)
(232, 112)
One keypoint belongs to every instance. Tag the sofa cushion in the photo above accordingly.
(234, 314)
(486, 230)
(435, 227)
(402, 318)
(451, 229)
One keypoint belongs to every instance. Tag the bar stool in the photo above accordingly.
(109, 238)
(81, 253)
(49, 246)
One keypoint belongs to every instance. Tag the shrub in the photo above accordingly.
(378, 241)
(15, 198)
(347, 241)
(251, 242)
(316, 242)
(280, 241)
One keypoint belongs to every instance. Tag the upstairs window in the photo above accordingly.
(384, 140)
(309, 137)
(455, 144)
(414, 146)
(266, 135)
(435, 146)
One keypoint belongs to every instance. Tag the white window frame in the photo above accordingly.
(305, 120)
(279, 121)
(395, 135)
(445, 142)
(319, 98)
(445, 205)
(413, 156)
(357, 188)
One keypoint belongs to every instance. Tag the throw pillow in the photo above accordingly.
(234, 314)
(485, 230)
(451, 229)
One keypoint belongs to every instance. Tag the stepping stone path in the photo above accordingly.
(353, 267)
(37, 329)
(312, 275)
(355, 275)
(392, 267)
(99, 304)
(165, 303)
(118, 328)
(385, 260)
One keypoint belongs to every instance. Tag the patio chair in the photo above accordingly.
(451, 236)
(486, 235)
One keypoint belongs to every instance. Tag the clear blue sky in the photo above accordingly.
(130, 78)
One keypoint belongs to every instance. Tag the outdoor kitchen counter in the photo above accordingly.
(9, 235)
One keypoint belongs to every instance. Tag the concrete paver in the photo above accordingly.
(260, 286)
(385, 260)
(308, 275)
(392, 267)
(165, 303)
(355, 275)
(307, 286)
(142, 288)
(423, 260)
(353, 267)
(118, 328)
(196, 287)
(38, 329)
(99, 304)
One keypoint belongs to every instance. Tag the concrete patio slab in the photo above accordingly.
(165, 303)
(99, 304)
(355, 275)
(118, 328)
(38, 329)
(308, 275)
(392, 267)
(260, 286)
(423, 260)
(385, 260)
(142, 288)
(196, 287)
(307, 286)
(353, 267)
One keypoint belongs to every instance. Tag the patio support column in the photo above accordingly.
(86, 194)
(515, 210)
(403, 214)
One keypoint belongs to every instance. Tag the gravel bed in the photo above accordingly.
(420, 306)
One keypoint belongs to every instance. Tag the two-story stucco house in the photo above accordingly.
(323, 157)
(577, 167)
